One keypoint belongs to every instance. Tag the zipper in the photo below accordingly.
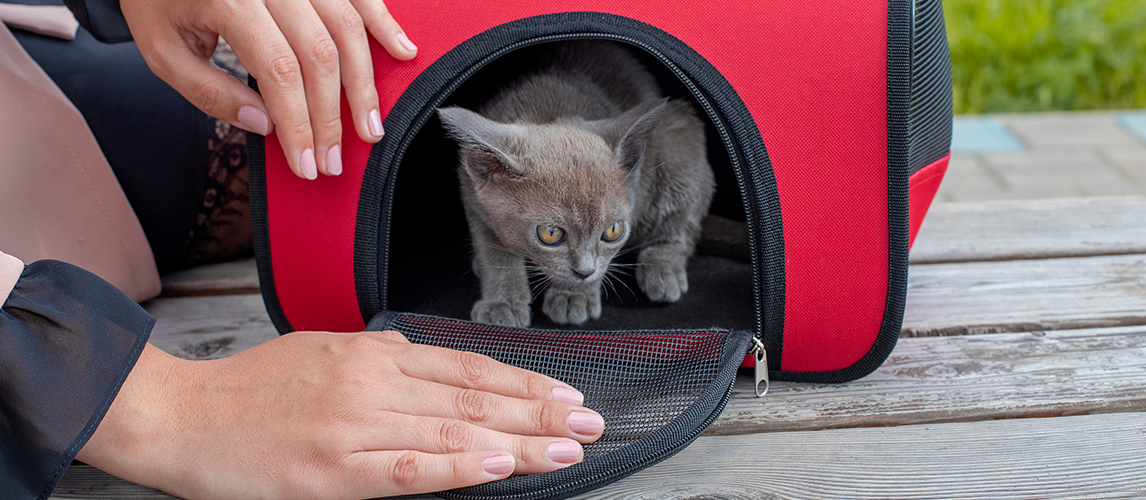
(760, 369)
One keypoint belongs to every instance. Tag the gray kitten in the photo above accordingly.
(567, 166)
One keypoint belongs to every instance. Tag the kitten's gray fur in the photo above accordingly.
(586, 141)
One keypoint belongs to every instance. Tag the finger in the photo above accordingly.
(474, 371)
(318, 57)
(385, 29)
(208, 87)
(526, 417)
(386, 473)
(532, 455)
(265, 53)
(349, 34)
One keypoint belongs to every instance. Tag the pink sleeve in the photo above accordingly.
(10, 270)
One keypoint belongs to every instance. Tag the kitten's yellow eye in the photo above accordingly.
(614, 233)
(551, 236)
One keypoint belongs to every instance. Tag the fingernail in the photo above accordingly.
(407, 43)
(571, 396)
(375, 124)
(585, 423)
(309, 167)
(254, 120)
(334, 161)
(565, 452)
(499, 465)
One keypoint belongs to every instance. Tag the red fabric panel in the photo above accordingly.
(924, 183)
(813, 75)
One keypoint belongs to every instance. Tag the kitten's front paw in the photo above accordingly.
(501, 313)
(572, 306)
(663, 278)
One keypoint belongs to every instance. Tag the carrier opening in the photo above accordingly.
(429, 269)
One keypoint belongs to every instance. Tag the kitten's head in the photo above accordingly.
(560, 193)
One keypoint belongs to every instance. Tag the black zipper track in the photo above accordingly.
(754, 222)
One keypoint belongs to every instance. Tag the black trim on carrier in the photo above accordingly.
(713, 93)
(260, 228)
(900, 39)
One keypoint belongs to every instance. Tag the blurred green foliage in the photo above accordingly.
(1040, 55)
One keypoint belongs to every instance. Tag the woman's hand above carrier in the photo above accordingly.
(302, 52)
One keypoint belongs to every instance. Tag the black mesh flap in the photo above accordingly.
(657, 390)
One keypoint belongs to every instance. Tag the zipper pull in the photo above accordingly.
(761, 368)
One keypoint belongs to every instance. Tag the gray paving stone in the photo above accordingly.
(968, 179)
(1130, 161)
(1071, 129)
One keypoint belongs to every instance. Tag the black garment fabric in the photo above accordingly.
(67, 342)
(155, 141)
(102, 18)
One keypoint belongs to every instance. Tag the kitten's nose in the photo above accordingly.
(583, 273)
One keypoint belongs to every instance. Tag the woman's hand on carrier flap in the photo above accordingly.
(326, 415)
(302, 52)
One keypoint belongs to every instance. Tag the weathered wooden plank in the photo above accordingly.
(1096, 456)
(948, 379)
(1099, 456)
(227, 278)
(209, 327)
(1027, 295)
(1031, 229)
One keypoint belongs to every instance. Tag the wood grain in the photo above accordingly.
(1026, 295)
(209, 327)
(1099, 456)
(949, 379)
(225, 278)
(1085, 457)
(1031, 229)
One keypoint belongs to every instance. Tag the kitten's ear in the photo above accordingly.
(626, 132)
(480, 138)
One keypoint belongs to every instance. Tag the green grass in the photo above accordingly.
(1042, 55)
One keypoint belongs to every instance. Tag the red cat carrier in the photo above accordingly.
(828, 128)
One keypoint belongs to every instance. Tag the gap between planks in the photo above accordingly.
(1085, 457)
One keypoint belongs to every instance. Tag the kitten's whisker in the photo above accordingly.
(643, 172)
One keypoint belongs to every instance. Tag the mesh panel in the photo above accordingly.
(930, 121)
(657, 390)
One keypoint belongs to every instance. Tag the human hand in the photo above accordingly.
(322, 415)
(301, 51)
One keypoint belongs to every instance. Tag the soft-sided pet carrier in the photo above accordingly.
(829, 130)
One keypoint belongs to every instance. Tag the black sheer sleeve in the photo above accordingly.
(102, 18)
(67, 341)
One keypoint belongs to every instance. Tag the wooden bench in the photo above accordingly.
(1021, 373)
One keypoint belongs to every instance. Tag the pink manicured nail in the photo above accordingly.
(309, 167)
(374, 121)
(586, 424)
(407, 43)
(565, 452)
(499, 465)
(568, 395)
(256, 121)
(334, 161)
